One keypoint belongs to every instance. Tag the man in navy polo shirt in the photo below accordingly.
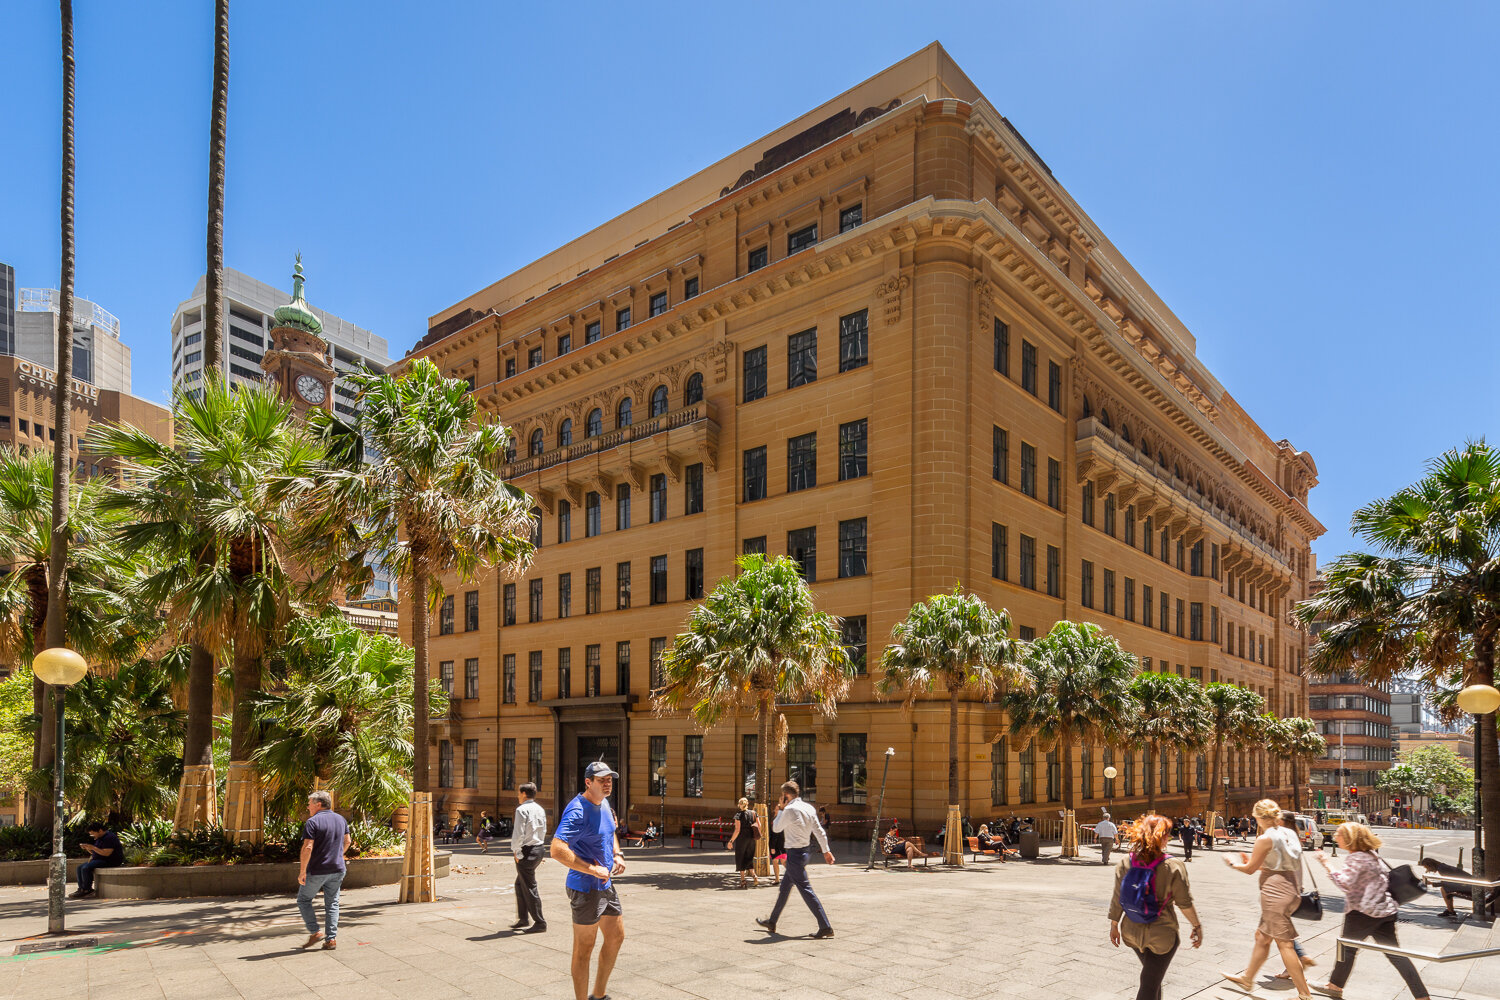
(325, 838)
(585, 843)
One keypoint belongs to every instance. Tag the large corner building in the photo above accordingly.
(886, 341)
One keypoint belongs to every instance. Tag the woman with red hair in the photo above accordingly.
(1149, 888)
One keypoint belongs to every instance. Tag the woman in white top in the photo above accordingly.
(1277, 856)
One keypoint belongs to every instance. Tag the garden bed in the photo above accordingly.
(250, 879)
(32, 872)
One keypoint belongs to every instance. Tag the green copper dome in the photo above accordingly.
(297, 314)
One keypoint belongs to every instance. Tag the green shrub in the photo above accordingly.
(27, 843)
(376, 839)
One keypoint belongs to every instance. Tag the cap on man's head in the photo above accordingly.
(599, 769)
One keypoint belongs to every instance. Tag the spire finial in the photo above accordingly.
(297, 313)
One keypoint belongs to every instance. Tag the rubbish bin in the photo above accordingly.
(1031, 844)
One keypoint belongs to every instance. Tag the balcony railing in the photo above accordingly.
(696, 413)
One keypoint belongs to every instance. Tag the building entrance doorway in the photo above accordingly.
(607, 749)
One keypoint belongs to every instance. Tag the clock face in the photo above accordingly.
(310, 389)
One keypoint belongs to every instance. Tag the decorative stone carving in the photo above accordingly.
(891, 290)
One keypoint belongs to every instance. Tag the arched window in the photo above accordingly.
(694, 391)
(622, 413)
(565, 432)
(1176, 472)
(1200, 487)
(1161, 459)
(1125, 433)
(510, 450)
(1104, 419)
(536, 526)
(1088, 407)
(537, 442)
(658, 401)
(594, 425)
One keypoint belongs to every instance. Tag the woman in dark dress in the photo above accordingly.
(742, 842)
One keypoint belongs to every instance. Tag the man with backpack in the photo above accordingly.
(1149, 888)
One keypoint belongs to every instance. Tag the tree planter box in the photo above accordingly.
(176, 882)
(32, 872)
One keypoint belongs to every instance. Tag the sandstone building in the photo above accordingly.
(886, 341)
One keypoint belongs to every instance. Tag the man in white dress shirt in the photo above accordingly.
(528, 833)
(798, 822)
(1105, 832)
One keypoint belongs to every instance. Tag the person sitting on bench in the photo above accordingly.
(987, 842)
(893, 846)
(1452, 890)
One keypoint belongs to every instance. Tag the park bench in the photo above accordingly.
(717, 830)
(994, 852)
(922, 852)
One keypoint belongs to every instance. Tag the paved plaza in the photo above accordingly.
(1028, 929)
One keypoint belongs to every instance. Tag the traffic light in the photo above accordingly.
(1395, 802)
(1354, 791)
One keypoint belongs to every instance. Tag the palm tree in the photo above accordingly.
(1427, 596)
(756, 640)
(1079, 690)
(227, 581)
(962, 642)
(1233, 713)
(213, 277)
(1169, 711)
(342, 716)
(432, 505)
(1296, 741)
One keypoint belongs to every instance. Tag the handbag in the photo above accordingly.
(1311, 906)
(1403, 884)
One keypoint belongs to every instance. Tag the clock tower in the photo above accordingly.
(296, 363)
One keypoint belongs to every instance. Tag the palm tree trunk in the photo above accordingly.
(247, 674)
(419, 627)
(39, 807)
(213, 279)
(764, 706)
(1069, 834)
(197, 746)
(1485, 752)
(952, 746)
(1151, 753)
(1213, 776)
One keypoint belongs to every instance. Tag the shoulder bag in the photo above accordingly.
(1402, 883)
(1311, 907)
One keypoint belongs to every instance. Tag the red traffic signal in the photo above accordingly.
(1353, 791)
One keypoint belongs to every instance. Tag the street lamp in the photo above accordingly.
(1109, 793)
(880, 806)
(661, 783)
(61, 668)
(1478, 700)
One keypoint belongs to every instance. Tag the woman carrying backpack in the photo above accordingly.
(1148, 885)
(1277, 856)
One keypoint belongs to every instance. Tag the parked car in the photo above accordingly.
(1307, 831)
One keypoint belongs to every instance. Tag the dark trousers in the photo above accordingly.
(796, 874)
(1153, 971)
(1382, 930)
(86, 873)
(528, 896)
(1187, 844)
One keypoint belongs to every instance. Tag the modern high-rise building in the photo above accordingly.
(883, 340)
(250, 316)
(7, 309)
(100, 358)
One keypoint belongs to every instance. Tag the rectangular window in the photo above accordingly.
(658, 484)
(999, 552)
(564, 521)
(1109, 783)
(471, 678)
(1146, 606)
(533, 357)
(508, 678)
(508, 764)
(854, 341)
(1027, 566)
(1181, 616)
(1054, 572)
(657, 304)
(657, 649)
(1086, 503)
(999, 772)
(1195, 559)
(1028, 372)
(510, 367)
(856, 641)
(1164, 620)
(1054, 386)
(1086, 771)
(622, 506)
(1054, 484)
(757, 259)
(622, 586)
(445, 616)
(564, 595)
(656, 759)
(755, 374)
(852, 769)
(755, 473)
(534, 676)
(802, 764)
(591, 332)
(1000, 456)
(1147, 538)
(802, 546)
(1002, 348)
(471, 611)
(851, 217)
(1166, 546)
(1109, 591)
(801, 462)
(802, 358)
(508, 604)
(1130, 525)
(1028, 773)
(692, 767)
(1129, 599)
(753, 546)
(564, 344)
(565, 672)
(1214, 560)
(1086, 584)
(693, 572)
(692, 489)
(1213, 624)
(534, 761)
(534, 602)
(658, 579)
(445, 675)
(853, 548)
(592, 599)
(854, 449)
(622, 668)
(690, 287)
(445, 764)
(1026, 633)
(1028, 469)
(622, 319)
(801, 239)
(1195, 621)
(1109, 515)
(591, 526)
(591, 671)
(749, 763)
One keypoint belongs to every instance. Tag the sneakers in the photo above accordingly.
(330, 944)
(312, 939)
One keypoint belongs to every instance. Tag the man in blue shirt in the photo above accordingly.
(325, 838)
(585, 844)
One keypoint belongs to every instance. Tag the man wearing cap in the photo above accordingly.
(585, 844)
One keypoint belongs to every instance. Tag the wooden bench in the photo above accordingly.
(999, 852)
(717, 830)
(916, 842)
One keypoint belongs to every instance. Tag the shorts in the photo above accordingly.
(591, 904)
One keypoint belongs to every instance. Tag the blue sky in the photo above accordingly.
(1310, 187)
